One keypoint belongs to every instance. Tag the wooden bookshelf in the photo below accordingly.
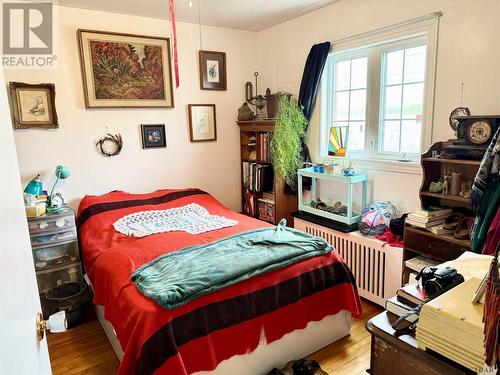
(433, 170)
(252, 152)
(419, 241)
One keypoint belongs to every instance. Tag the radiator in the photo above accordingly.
(377, 268)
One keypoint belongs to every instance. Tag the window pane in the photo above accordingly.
(392, 108)
(410, 136)
(394, 67)
(341, 109)
(391, 136)
(338, 139)
(358, 105)
(415, 64)
(358, 73)
(342, 75)
(356, 139)
(413, 96)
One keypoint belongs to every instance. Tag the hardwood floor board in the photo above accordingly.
(85, 350)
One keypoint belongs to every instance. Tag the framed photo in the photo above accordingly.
(202, 122)
(33, 106)
(153, 136)
(125, 70)
(212, 70)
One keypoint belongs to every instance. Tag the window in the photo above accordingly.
(377, 98)
(349, 98)
(402, 93)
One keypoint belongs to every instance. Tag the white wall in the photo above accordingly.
(468, 52)
(212, 166)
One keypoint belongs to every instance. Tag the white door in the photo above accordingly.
(20, 350)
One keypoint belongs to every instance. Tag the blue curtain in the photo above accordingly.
(313, 70)
(311, 77)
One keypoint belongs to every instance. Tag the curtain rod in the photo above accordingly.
(390, 27)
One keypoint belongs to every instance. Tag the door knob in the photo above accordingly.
(56, 323)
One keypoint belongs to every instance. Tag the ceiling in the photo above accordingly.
(253, 15)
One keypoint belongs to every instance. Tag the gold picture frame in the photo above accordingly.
(125, 70)
(33, 105)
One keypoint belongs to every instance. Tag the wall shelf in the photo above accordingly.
(456, 198)
(452, 161)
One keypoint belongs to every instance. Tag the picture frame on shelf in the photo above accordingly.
(213, 74)
(33, 105)
(202, 122)
(153, 136)
(125, 70)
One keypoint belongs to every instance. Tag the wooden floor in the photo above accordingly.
(86, 350)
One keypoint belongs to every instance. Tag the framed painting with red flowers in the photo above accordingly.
(125, 70)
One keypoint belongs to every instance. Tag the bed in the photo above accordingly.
(246, 328)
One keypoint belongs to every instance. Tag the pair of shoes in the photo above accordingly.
(460, 224)
(300, 367)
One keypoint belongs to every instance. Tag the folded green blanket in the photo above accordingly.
(176, 278)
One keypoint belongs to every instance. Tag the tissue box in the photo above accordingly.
(36, 210)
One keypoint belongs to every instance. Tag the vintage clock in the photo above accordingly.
(476, 130)
(474, 134)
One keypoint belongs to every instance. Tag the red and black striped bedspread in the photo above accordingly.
(203, 333)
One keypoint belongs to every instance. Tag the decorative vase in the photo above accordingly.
(245, 113)
(456, 179)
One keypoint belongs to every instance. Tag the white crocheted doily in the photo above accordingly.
(191, 218)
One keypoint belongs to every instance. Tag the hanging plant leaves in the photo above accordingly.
(286, 144)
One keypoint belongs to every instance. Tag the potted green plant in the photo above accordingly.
(289, 130)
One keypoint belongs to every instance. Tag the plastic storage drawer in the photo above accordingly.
(51, 239)
(52, 222)
(53, 277)
(56, 255)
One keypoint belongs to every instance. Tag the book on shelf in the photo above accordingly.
(399, 307)
(257, 177)
(269, 195)
(412, 293)
(264, 140)
(417, 263)
(248, 202)
(433, 211)
(426, 219)
(424, 225)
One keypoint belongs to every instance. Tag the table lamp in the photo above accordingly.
(56, 201)
(34, 187)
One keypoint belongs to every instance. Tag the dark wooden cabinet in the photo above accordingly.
(439, 247)
(419, 241)
(393, 353)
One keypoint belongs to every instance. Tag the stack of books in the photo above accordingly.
(264, 145)
(430, 217)
(405, 300)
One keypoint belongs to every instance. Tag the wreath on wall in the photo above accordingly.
(110, 145)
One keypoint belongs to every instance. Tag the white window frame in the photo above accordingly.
(373, 46)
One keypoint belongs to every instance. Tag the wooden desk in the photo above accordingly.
(398, 354)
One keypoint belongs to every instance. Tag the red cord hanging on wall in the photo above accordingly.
(174, 31)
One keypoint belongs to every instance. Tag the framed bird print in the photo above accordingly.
(212, 70)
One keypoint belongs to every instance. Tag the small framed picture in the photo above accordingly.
(202, 122)
(153, 136)
(33, 106)
(212, 70)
